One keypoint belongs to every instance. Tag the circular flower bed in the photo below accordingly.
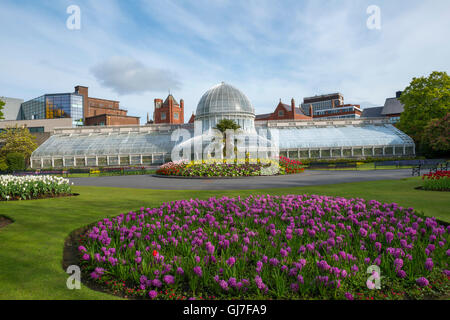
(227, 168)
(32, 187)
(269, 247)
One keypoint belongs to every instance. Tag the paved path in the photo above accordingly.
(308, 178)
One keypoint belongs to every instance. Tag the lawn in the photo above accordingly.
(31, 248)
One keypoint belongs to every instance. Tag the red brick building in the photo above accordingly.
(284, 112)
(169, 111)
(103, 112)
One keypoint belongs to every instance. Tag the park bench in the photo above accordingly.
(432, 167)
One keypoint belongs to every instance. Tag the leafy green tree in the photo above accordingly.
(2, 104)
(15, 161)
(426, 98)
(3, 164)
(17, 139)
(223, 126)
(437, 135)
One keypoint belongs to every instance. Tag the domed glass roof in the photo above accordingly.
(224, 99)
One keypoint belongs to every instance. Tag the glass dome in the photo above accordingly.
(224, 99)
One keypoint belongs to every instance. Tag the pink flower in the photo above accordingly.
(152, 294)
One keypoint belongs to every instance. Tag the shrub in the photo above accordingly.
(15, 161)
(3, 164)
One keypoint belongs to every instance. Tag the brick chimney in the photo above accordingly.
(293, 105)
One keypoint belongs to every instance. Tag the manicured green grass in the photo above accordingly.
(31, 248)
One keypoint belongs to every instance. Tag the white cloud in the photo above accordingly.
(126, 75)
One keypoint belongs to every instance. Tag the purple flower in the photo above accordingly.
(349, 296)
(169, 279)
(398, 263)
(232, 282)
(152, 294)
(323, 265)
(389, 237)
(180, 271)
(401, 274)
(378, 246)
(223, 284)
(157, 283)
(422, 282)
(259, 266)
(86, 257)
(363, 232)
(209, 248)
(429, 264)
(274, 262)
(260, 284)
(231, 261)
(198, 271)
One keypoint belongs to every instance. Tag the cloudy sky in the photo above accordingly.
(135, 51)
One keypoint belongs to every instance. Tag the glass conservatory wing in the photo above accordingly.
(104, 145)
(345, 136)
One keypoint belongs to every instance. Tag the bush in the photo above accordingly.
(3, 164)
(15, 161)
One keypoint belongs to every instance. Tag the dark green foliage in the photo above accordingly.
(425, 99)
(15, 161)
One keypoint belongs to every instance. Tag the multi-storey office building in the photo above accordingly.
(54, 106)
(322, 102)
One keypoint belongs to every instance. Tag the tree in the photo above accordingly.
(437, 135)
(2, 104)
(223, 126)
(426, 98)
(18, 139)
(15, 161)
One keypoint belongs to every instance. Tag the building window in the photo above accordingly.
(163, 116)
(281, 113)
(175, 115)
(36, 129)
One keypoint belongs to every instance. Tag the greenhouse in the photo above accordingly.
(151, 145)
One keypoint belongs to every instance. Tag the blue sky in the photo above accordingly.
(135, 51)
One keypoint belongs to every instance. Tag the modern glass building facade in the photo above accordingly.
(53, 106)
